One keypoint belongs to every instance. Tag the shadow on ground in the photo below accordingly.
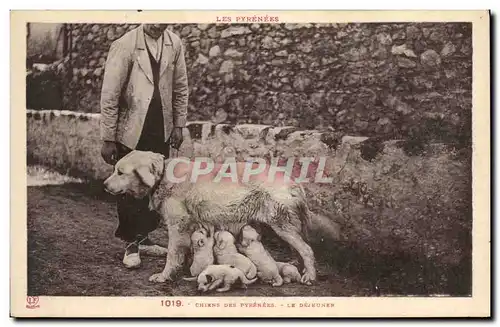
(72, 252)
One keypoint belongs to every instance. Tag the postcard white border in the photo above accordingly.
(476, 306)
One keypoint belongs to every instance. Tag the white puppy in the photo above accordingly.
(250, 245)
(202, 243)
(289, 272)
(226, 254)
(216, 275)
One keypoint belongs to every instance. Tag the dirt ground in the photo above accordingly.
(72, 251)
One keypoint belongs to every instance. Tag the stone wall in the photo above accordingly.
(386, 80)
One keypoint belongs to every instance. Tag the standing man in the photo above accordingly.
(144, 107)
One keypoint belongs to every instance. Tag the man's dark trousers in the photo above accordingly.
(136, 221)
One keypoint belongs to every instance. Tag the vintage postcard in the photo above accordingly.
(250, 164)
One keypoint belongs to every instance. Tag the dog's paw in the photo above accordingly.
(222, 289)
(308, 278)
(158, 278)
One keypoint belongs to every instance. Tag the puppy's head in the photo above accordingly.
(199, 239)
(202, 242)
(201, 236)
(248, 235)
(135, 174)
(204, 281)
(223, 239)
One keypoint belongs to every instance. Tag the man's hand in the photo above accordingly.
(176, 138)
(109, 152)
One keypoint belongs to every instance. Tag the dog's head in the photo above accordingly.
(201, 235)
(204, 281)
(135, 174)
(202, 241)
(223, 240)
(248, 235)
(199, 239)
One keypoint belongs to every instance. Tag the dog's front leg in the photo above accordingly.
(178, 244)
(215, 284)
(293, 238)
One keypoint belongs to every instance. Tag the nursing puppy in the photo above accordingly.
(226, 254)
(289, 272)
(202, 243)
(250, 245)
(216, 275)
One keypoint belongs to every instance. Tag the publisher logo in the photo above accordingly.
(32, 302)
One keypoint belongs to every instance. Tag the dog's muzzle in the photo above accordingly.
(108, 188)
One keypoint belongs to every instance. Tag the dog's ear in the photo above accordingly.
(149, 173)
(245, 243)
(206, 230)
(222, 244)
(239, 236)
(146, 176)
(219, 241)
(191, 228)
(200, 228)
(258, 229)
(209, 279)
(157, 163)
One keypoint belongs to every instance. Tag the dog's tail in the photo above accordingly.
(300, 208)
(252, 272)
(314, 223)
(324, 227)
(190, 279)
(244, 279)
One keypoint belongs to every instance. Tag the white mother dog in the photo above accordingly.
(183, 196)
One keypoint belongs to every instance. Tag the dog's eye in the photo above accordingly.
(119, 173)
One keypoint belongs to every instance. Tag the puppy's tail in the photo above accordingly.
(190, 279)
(252, 272)
(245, 280)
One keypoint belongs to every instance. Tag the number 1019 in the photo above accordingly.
(171, 303)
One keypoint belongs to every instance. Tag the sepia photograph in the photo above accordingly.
(247, 157)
